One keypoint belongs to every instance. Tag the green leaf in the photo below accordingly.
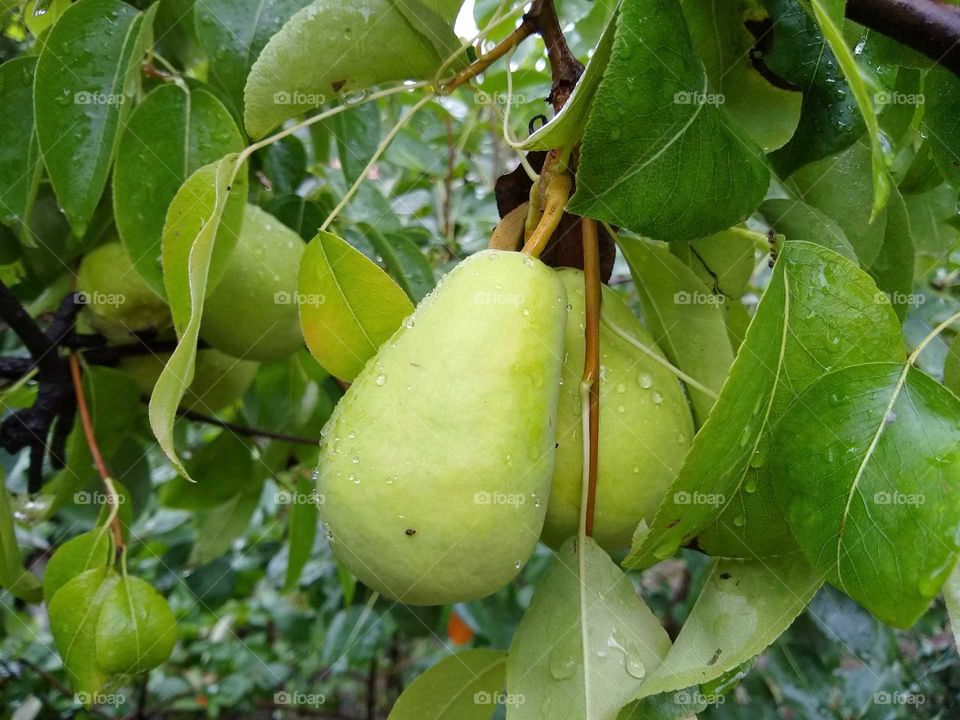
(465, 686)
(304, 516)
(88, 551)
(189, 234)
(830, 16)
(866, 460)
(19, 156)
(218, 528)
(87, 76)
(232, 34)
(820, 311)
(893, 268)
(743, 607)
(404, 261)
(951, 596)
(174, 132)
(73, 615)
(13, 576)
(942, 90)
(841, 188)
(724, 262)
(951, 368)
(684, 317)
(829, 118)
(135, 630)
(358, 136)
(768, 114)
(933, 218)
(602, 640)
(329, 48)
(38, 15)
(567, 126)
(348, 307)
(221, 468)
(798, 221)
(662, 158)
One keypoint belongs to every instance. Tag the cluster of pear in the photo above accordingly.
(460, 444)
(249, 317)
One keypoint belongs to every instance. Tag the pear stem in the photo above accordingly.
(591, 365)
(555, 200)
(113, 520)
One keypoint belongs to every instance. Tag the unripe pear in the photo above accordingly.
(252, 313)
(436, 464)
(645, 427)
(117, 302)
(218, 379)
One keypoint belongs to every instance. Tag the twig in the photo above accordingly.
(928, 26)
(555, 200)
(87, 424)
(565, 69)
(246, 431)
(525, 29)
(591, 366)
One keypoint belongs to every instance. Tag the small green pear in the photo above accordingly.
(645, 427)
(436, 464)
(117, 302)
(252, 313)
(218, 379)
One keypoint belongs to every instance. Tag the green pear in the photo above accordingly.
(218, 379)
(645, 426)
(436, 464)
(117, 302)
(252, 313)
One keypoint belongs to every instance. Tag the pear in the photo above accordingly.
(436, 464)
(252, 313)
(645, 427)
(117, 301)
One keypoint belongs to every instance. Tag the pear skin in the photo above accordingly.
(645, 427)
(436, 464)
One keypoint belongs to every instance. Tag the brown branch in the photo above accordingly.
(565, 69)
(101, 466)
(930, 27)
(591, 366)
(245, 431)
(524, 30)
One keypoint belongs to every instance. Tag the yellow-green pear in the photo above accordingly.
(252, 313)
(436, 464)
(645, 426)
(116, 300)
(218, 379)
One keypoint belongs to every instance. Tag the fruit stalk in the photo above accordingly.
(556, 195)
(87, 424)
(591, 365)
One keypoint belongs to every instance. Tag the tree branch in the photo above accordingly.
(245, 431)
(928, 26)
